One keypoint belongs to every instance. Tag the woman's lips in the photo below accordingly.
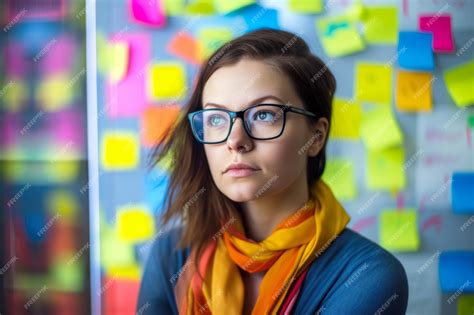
(240, 172)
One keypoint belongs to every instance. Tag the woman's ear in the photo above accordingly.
(319, 132)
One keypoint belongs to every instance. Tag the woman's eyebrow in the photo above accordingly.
(254, 102)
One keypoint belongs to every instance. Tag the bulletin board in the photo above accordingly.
(436, 143)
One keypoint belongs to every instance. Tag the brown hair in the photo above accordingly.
(192, 196)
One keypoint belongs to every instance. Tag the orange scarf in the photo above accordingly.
(294, 244)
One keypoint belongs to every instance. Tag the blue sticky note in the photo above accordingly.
(462, 193)
(415, 51)
(456, 271)
(256, 17)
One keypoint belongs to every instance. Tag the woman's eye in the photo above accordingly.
(215, 120)
(264, 116)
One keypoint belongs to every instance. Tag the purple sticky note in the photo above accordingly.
(127, 98)
(14, 58)
(149, 12)
(440, 26)
(68, 129)
(60, 55)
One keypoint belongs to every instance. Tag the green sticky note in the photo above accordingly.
(466, 304)
(380, 24)
(398, 230)
(379, 129)
(115, 252)
(339, 36)
(174, 7)
(306, 6)
(471, 121)
(345, 119)
(211, 38)
(201, 7)
(385, 169)
(460, 83)
(373, 83)
(226, 6)
(339, 175)
(68, 273)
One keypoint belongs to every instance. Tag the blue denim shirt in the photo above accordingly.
(352, 276)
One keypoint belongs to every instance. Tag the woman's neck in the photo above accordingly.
(260, 216)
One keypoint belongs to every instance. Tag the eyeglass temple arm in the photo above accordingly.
(302, 111)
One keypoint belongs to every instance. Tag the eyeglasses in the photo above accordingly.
(261, 122)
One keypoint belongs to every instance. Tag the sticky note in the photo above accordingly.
(114, 252)
(62, 203)
(134, 224)
(380, 24)
(119, 58)
(466, 304)
(67, 274)
(121, 296)
(373, 83)
(398, 230)
(306, 6)
(440, 27)
(120, 151)
(14, 95)
(226, 6)
(379, 129)
(53, 61)
(201, 7)
(185, 46)
(456, 271)
(149, 12)
(470, 121)
(385, 169)
(415, 51)
(339, 36)
(167, 80)
(256, 17)
(174, 7)
(462, 192)
(155, 122)
(132, 272)
(339, 175)
(459, 81)
(56, 91)
(414, 91)
(127, 98)
(211, 38)
(346, 118)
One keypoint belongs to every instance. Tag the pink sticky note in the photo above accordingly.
(60, 57)
(15, 59)
(127, 98)
(149, 12)
(68, 128)
(440, 26)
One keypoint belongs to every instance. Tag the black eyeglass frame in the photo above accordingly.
(241, 115)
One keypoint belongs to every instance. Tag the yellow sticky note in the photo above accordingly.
(373, 83)
(339, 36)
(211, 38)
(115, 252)
(379, 129)
(380, 24)
(174, 7)
(167, 80)
(460, 83)
(14, 95)
(119, 54)
(346, 118)
(226, 6)
(466, 304)
(398, 230)
(306, 6)
(339, 175)
(56, 91)
(135, 224)
(414, 91)
(385, 169)
(201, 7)
(131, 272)
(62, 203)
(120, 151)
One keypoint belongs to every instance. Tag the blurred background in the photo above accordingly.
(88, 87)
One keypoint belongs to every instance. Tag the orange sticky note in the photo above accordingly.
(185, 46)
(155, 121)
(414, 91)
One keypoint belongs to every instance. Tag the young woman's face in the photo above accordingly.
(282, 161)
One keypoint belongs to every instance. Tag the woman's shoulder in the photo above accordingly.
(356, 275)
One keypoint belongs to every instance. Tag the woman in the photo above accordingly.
(258, 231)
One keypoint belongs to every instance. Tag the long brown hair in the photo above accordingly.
(193, 198)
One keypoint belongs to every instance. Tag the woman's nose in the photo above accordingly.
(238, 139)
